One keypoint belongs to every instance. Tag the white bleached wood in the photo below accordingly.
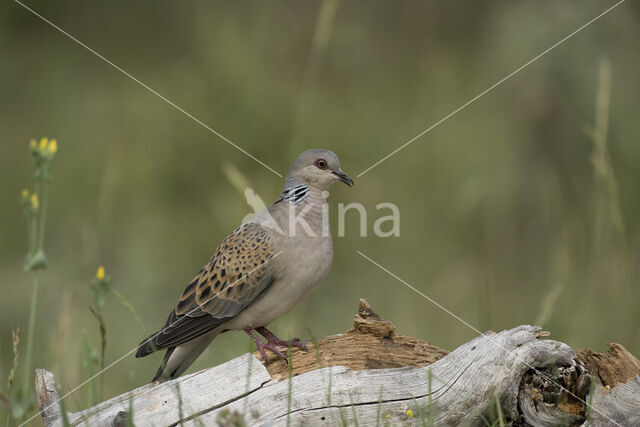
(47, 392)
(159, 404)
(460, 388)
(620, 404)
(463, 387)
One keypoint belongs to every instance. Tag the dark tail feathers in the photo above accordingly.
(147, 346)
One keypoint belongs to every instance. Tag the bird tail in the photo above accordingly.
(147, 346)
(178, 359)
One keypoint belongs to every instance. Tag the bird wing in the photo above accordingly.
(238, 272)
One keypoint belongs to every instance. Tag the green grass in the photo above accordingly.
(7, 399)
(180, 402)
(90, 361)
(423, 420)
(130, 413)
(289, 384)
(63, 411)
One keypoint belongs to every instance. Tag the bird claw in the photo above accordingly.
(262, 347)
(262, 352)
(295, 342)
(272, 343)
(275, 350)
(273, 340)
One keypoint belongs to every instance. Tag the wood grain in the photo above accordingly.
(372, 375)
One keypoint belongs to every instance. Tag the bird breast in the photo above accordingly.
(303, 271)
(301, 263)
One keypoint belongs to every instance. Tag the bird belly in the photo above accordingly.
(295, 283)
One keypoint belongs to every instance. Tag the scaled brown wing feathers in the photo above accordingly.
(238, 272)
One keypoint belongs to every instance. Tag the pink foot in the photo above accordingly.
(262, 346)
(275, 341)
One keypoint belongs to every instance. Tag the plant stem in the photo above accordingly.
(180, 412)
(30, 224)
(32, 233)
(126, 304)
(103, 344)
(431, 411)
(43, 213)
(289, 395)
(30, 332)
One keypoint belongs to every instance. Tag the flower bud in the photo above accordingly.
(34, 201)
(100, 274)
(53, 146)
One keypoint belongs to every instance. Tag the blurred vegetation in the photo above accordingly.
(523, 207)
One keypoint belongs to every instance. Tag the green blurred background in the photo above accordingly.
(504, 218)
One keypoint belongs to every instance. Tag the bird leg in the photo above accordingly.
(274, 340)
(262, 346)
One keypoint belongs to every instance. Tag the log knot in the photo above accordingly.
(552, 393)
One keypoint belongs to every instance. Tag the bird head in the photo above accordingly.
(317, 168)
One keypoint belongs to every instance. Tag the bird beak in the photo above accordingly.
(343, 177)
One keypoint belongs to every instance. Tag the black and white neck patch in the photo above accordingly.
(295, 194)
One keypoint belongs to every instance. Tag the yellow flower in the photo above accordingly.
(100, 273)
(387, 416)
(410, 413)
(33, 144)
(34, 201)
(43, 144)
(25, 194)
(53, 146)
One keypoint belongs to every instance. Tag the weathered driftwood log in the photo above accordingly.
(372, 376)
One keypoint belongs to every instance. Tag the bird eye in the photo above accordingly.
(320, 163)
